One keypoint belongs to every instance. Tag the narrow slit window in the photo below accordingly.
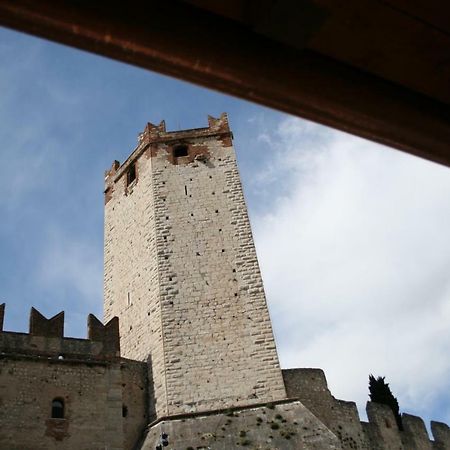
(180, 150)
(58, 408)
(131, 174)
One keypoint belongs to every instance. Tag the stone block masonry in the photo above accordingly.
(101, 398)
(342, 418)
(285, 425)
(182, 274)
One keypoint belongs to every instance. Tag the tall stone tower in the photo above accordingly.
(182, 275)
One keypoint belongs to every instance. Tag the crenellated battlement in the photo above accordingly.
(158, 133)
(46, 339)
(381, 431)
(150, 140)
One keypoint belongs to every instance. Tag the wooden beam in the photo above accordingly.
(182, 41)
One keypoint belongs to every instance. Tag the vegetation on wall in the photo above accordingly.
(380, 392)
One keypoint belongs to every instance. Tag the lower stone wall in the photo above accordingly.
(93, 392)
(283, 426)
(310, 387)
(441, 433)
(135, 401)
(341, 417)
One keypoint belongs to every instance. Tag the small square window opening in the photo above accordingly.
(180, 150)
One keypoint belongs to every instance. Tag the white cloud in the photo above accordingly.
(355, 254)
(70, 270)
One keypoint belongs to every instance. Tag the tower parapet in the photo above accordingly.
(150, 140)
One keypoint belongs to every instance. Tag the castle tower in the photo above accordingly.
(182, 275)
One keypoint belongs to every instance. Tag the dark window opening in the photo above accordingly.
(124, 411)
(185, 190)
(131, 174)
(58, 408)
(180, 150)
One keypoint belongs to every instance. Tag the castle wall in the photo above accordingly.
(135, 401)
(285, 425)
(182, 227)
(105, 397)
(310, 387)
(28, 344)
(92, 402)
(380, 433)
(441, 434)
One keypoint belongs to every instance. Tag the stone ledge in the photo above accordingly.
(282, 425)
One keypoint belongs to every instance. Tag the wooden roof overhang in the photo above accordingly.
(376, 69)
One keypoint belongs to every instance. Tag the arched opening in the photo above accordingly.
(58, 408)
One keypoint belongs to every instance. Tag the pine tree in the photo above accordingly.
(380, 392)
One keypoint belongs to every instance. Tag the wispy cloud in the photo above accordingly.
(355, 253)
(69, 271)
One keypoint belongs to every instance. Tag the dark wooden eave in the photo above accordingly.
(376, 69)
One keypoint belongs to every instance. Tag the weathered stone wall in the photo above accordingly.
(94, 383)
(380, 433)
(181, 272)
(131, 274)
(310, 386)
(276, 426)
(134, 401)
(92, 396)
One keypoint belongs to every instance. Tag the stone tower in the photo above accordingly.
(182, 275)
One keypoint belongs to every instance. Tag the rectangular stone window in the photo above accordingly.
(131, 174)
(180, 151)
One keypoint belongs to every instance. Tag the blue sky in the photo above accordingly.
(352, 237)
